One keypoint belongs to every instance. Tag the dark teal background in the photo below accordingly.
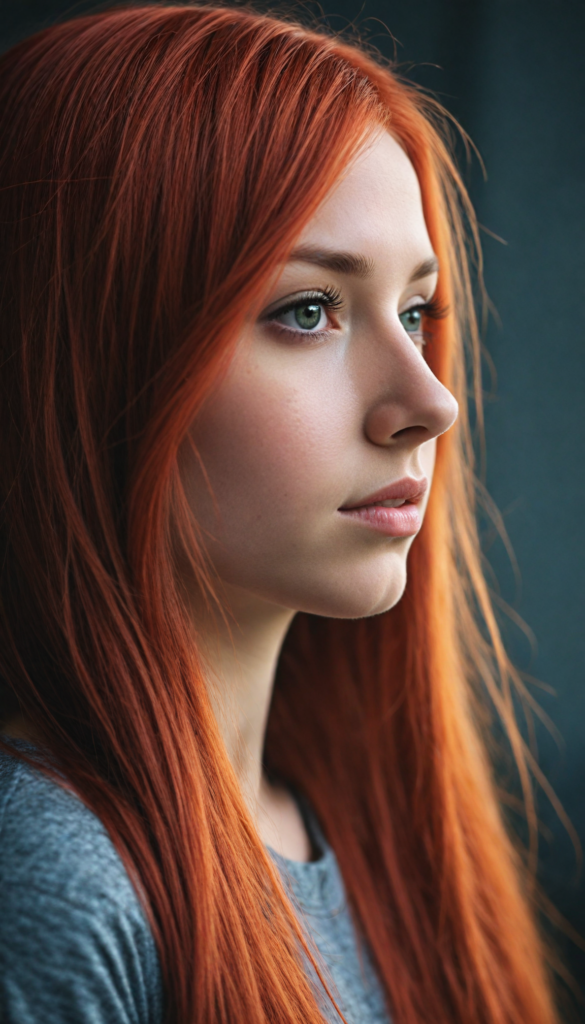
(513, 73)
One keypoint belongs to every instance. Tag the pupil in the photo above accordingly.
(308, 316)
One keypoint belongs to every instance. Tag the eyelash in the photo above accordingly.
(330, 298)
(432, 309)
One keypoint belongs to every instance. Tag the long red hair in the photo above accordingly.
(156, 165)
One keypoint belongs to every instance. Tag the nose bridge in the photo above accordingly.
(409, 397)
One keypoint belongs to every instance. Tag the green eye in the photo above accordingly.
(307, 316)
(411, 320)
(308, 313)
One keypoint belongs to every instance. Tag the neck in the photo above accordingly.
(240, 658)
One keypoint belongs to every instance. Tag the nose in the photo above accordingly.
(413, 406)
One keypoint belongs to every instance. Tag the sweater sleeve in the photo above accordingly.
(75, 945)
(67, 964)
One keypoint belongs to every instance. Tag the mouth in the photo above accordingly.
(393, 510)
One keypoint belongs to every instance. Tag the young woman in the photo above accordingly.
(242, 774)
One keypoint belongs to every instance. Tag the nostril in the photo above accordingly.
(416, 434)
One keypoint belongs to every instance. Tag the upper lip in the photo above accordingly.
(406, 489)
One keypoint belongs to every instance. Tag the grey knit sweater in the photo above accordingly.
(75, 946)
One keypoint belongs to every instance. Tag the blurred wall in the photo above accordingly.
(513, 73)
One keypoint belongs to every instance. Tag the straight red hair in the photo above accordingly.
(156, 165)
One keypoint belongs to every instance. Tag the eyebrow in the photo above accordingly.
(342, 262)
(425, 269)
(354, 263)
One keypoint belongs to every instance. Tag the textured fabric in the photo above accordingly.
(75, 946)
(317, 892)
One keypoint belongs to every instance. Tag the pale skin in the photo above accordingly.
(310, 419)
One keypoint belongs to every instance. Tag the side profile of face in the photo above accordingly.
(319, 444)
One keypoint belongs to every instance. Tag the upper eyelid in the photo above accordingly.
(419, 301)
(319, 296)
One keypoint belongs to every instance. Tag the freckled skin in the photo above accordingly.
(304, 425)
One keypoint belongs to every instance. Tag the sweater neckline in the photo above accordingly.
(316, 885)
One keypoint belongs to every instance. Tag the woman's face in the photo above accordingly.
(329, 408)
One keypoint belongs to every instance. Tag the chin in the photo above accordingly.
(359, 596)
(356, 607)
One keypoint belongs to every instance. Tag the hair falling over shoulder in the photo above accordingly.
(156, 164)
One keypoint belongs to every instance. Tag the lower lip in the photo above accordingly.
(403, 521)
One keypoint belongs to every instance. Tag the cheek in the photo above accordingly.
(268, 443)
(427, 455)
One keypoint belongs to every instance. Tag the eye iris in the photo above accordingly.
(308, 315)
(411, 320)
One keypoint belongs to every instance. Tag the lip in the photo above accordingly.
(402, 521)
(405, 489)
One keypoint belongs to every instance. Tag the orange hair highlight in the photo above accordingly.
(157, 164)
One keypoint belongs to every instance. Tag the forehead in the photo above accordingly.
(376, 208)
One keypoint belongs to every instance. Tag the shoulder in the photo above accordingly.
(74, 941)
(50, 840)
